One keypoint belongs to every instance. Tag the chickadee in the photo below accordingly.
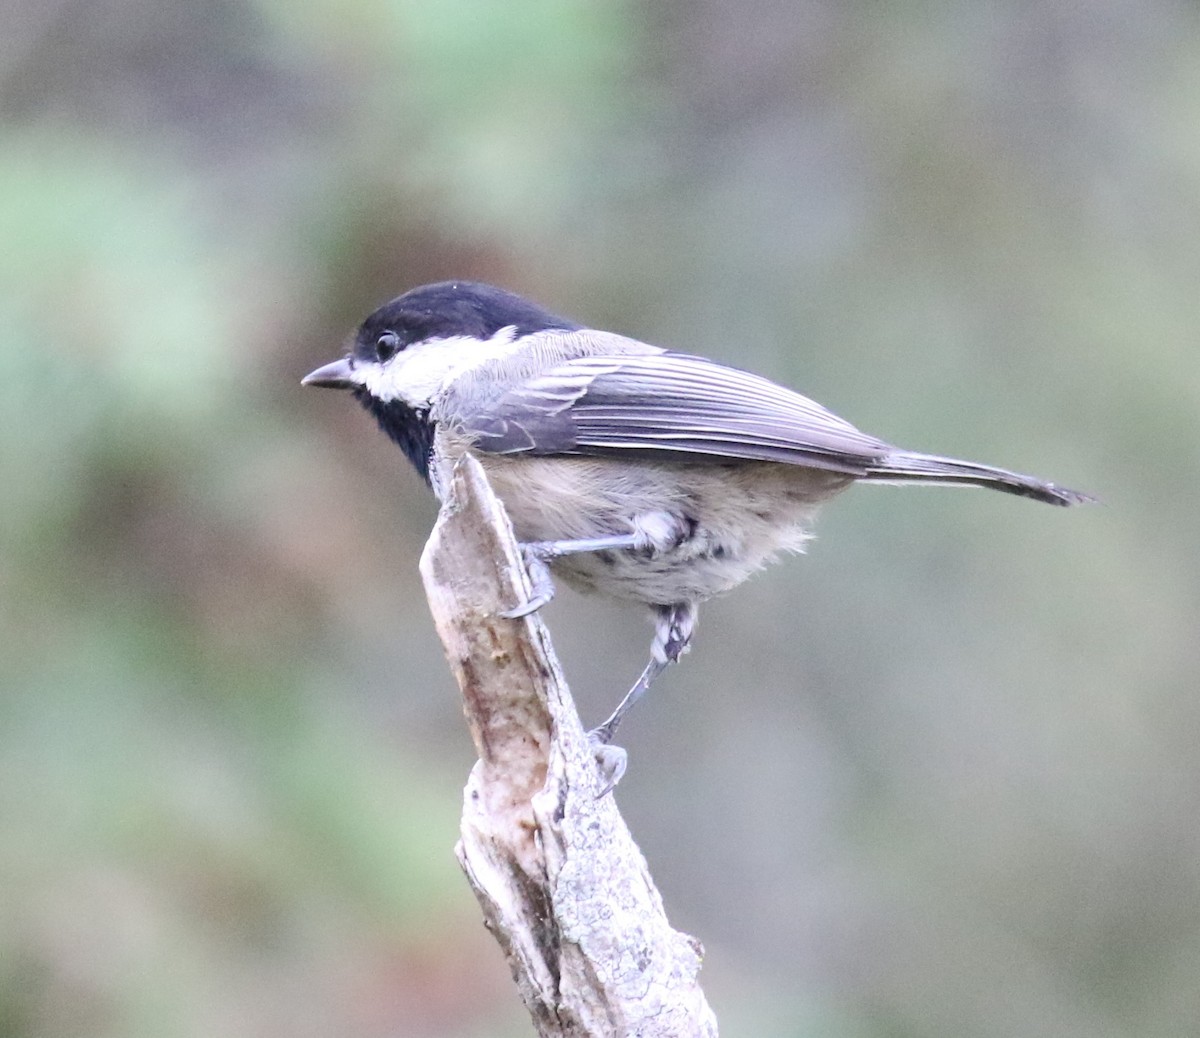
(633, 471)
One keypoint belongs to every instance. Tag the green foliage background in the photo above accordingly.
(938, 778)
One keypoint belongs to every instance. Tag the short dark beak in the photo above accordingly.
(338, 375)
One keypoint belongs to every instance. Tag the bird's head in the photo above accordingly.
(407, 352)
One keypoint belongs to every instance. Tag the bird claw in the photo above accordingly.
(540, 581)
(611, 761)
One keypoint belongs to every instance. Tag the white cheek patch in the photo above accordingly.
(418, 374)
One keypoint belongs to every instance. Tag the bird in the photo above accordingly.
(627, 469)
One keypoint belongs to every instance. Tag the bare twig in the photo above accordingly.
(562, 885)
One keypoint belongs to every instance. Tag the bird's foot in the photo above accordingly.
(541, 583)
(611, 760)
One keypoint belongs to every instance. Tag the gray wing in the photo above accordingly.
(667, 405)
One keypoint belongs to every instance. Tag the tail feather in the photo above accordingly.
(910, 467)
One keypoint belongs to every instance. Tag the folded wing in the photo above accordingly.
(670, 406)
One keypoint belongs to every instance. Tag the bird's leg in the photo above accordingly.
(672, 638)
(538, 553)
(652, 533)
(674, 625)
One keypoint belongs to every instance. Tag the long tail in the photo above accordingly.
(910, 467)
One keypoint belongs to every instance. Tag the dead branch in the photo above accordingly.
(563, 887)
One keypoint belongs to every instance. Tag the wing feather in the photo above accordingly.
(667, 405)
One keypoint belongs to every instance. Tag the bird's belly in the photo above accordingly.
(662, 579)
(734, 518)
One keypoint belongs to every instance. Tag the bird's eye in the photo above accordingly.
(386, 346)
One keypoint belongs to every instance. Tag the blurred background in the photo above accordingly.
(938, 778)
